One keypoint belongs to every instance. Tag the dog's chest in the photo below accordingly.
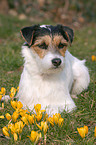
(48, 85)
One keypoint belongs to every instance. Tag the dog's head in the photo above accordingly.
(48, 44)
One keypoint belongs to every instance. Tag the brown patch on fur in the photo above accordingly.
(59, 39)
(62, 51)
(40, 40)
(39, 51)
(51, 43)
(47, 39)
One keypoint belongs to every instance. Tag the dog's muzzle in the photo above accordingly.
(56, 62)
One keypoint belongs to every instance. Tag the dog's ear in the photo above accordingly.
(28, 33)
(67, 33)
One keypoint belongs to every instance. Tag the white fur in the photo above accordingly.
(42, 83)
(45, 26)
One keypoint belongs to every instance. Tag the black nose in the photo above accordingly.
(56, 61)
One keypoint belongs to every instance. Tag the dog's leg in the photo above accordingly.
(81, 77)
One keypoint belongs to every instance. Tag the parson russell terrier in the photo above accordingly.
(50, 72)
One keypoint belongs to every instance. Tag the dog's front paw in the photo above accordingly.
(70, 108)
(52, 109)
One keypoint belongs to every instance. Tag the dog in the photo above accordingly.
(51, 74)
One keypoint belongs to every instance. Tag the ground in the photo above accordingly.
(11, 64)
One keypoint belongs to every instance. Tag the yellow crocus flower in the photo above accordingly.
(12, 128)
(0, 95)
(3, 90)
(15, 136)
(24, 119)
(45, 117)
(93, 57)
(14, 104)
(15, 116)
(16, 128)
(23, 112)
(8, 116)
(5, 131)
(18, 89)
(38, 116)
(58, 115)
(19, 105)
(2, 117)
(38, 137)
(11, 95)
(51, 121)
(2, 105)
(19, 126)
(37, 107)
(43, 127)
(41, 111)
(60, 121)
(31, 119)
(86, 129)
(40, 127)
(55, 119)
(34, 136)
(13, 90)
(83, 131)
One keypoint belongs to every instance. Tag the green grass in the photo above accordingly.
(11, 62)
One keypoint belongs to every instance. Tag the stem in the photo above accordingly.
(45, 139)
(9, 121)
(33, 143)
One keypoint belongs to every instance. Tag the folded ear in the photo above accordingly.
(28, 33)
(67, 33)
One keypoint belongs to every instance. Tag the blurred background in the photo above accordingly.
(69, 12)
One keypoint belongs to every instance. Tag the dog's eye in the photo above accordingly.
(43, 46)
(61, 45)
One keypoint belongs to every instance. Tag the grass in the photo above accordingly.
(11, 62)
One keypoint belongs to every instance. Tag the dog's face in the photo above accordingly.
(48, 44)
